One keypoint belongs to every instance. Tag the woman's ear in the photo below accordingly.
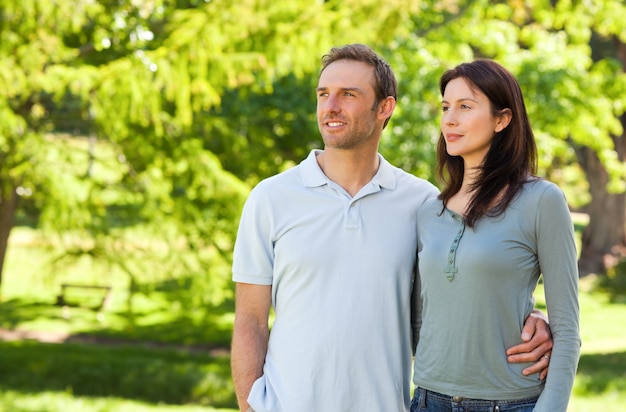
(503, 120)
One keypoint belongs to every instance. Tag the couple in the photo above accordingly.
(369, 269)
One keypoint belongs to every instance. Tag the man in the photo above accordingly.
(331, 246)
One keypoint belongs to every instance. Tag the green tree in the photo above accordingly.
(51, 62)
(198, 100)
(28, 46)
(149, 79)
(173, 103)
(576, 96)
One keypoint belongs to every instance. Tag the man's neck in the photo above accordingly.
(349, 169)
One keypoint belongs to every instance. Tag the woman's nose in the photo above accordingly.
(448, 117)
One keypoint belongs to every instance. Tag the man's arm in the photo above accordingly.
(537, 347)
(250, 335)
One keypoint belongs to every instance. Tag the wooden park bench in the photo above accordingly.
(95, 297)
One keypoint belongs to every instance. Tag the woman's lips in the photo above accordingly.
(453, 137)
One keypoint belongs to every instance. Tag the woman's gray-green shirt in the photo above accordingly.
(477, 290)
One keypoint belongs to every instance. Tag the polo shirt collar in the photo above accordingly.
(313, 176)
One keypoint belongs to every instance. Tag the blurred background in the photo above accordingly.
(132, 131)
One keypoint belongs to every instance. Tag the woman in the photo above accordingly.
(483, 243)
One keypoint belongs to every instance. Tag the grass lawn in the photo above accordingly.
(51, 401)
(601, 380)
(40, 377)
(47, 377)
(161, 352)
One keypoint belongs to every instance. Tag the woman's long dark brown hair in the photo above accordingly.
(512, 157)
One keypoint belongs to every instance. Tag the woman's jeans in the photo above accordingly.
(428, 401)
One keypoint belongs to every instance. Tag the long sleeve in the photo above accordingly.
(558, 262)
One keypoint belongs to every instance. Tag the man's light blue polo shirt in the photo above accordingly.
(341, 270)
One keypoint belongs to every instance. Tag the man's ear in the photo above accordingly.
(386, 107)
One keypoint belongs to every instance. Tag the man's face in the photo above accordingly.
(346, 116)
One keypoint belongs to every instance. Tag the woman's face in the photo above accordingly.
(467, 123)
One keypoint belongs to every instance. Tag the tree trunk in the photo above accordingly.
(604, 238)
(8, 205)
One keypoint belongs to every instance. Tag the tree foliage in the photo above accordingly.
(181, 105)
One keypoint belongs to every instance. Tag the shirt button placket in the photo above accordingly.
(451, 269)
